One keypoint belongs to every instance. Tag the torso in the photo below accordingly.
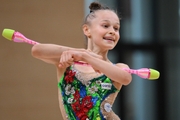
(94, 94)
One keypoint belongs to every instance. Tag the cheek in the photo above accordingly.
(118, 36)
(98, 34)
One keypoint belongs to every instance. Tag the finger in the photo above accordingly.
(65, 64)
(60, 65)
(69, 57)
(66, 59)
(62, 59)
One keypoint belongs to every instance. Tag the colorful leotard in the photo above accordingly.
(83, 101)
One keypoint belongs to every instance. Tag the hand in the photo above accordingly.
(68, 57)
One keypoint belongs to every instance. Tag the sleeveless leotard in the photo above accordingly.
(83, 101)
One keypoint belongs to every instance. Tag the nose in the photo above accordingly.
(112, 31)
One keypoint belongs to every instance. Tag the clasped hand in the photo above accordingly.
(70, 56)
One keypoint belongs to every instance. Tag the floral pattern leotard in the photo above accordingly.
(83, 101)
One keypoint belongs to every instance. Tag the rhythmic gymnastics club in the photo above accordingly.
(145, 73)
(12, 35)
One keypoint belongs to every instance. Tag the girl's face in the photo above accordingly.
(104, 29)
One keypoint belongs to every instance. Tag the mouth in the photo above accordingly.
(109, 39)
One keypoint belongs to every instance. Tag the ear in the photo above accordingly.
(86, 30)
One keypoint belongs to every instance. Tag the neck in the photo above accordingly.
(101, 53)
(96, 49)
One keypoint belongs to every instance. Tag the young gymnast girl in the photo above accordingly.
(88, 81)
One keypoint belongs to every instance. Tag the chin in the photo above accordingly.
(109, 47)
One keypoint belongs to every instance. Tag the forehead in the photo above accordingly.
(106, 15)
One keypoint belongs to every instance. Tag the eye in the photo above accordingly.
(105, 26)
(116, 28)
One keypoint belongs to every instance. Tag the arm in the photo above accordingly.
(114, 72)
(49, 53)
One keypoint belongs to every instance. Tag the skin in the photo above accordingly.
(103, 34)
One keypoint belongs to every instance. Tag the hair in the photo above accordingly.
(95, 6)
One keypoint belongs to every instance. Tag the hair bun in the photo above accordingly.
(95, 6)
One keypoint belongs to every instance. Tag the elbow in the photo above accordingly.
(127, 79)
(35, 51)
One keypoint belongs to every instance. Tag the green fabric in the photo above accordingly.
(83, 101)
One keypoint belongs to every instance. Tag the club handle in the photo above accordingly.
(18, 37)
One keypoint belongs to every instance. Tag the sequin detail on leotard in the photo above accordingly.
(82, 101)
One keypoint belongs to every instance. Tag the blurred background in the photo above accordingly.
(149, 38)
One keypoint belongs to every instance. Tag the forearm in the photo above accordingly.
(48, 50)
(114, 72)
(51, 53)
